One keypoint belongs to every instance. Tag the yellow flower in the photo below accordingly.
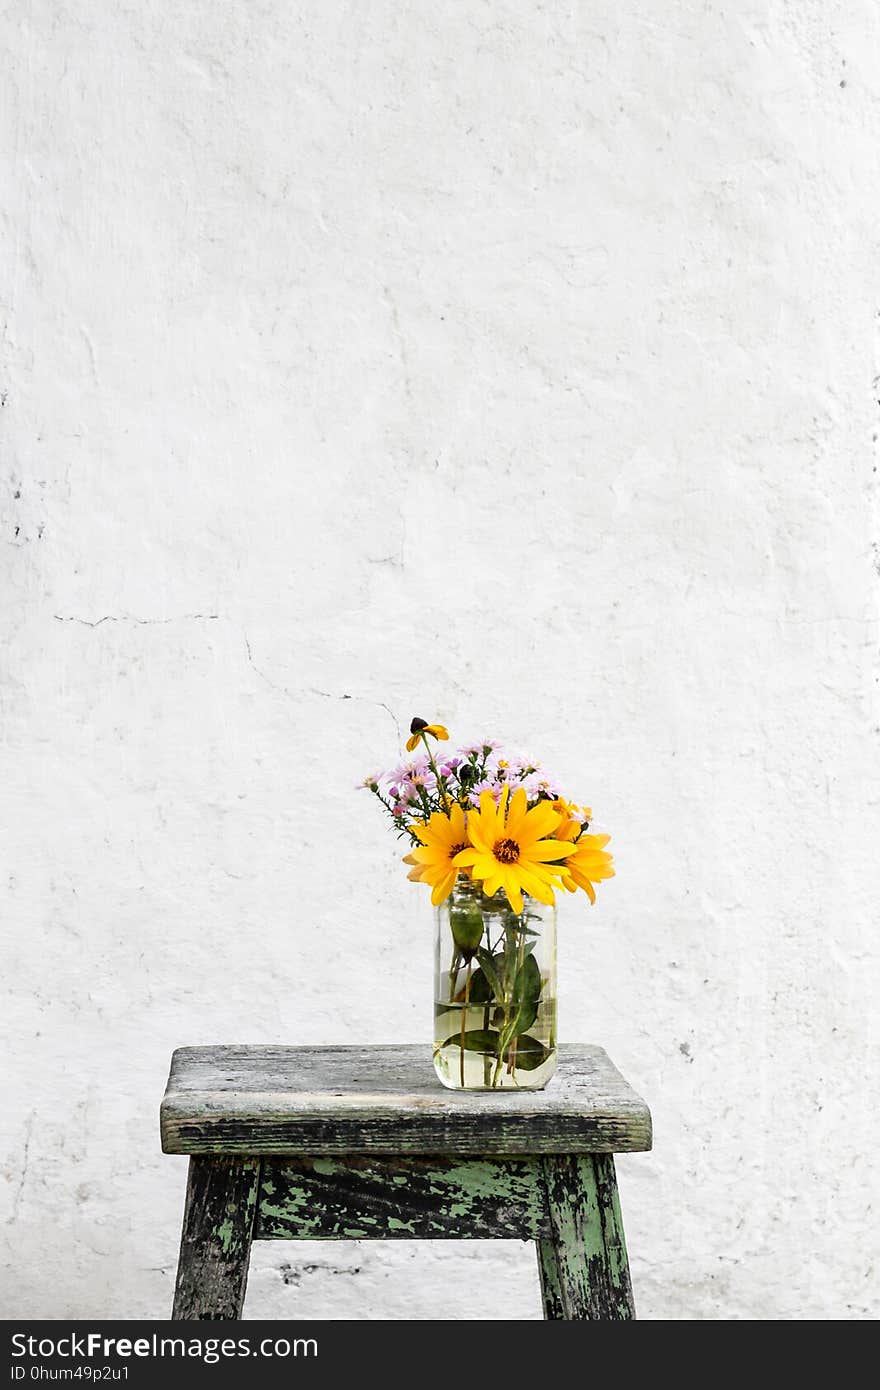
(574, 818)
(419, 727)
(589, 864)
(442, 838)
(510, 849)
(569, 825)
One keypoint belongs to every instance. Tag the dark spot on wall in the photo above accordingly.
(291, 1274)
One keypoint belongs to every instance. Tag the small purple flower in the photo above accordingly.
(406, 771)
(485, 786)
(547, 786)
(482, 747)
(506, 769)
(539, 784)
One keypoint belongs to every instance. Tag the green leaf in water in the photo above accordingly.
(524, 1017)
(530, 1053)
(527, 984)
(490, 967)
(481, 990)
(526, 993)
(477, 1040)
(523, 1009)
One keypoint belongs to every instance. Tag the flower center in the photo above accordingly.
(506, 851)
(456, 849)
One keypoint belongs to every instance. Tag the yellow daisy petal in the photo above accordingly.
(466, 857)
(540, 821)
(443, 888)
(537, 885)
(514, 897)
(548, 850)
(516, 813)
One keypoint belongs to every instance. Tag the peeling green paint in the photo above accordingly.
(221, 1204)
(365, 1197)
(584, 1269)
(225, 1235)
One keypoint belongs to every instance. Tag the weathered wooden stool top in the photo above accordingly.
(386, 1100)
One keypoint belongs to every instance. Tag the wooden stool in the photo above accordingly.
(364, 1143)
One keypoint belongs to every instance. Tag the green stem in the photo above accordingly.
(487, 1008)
(464, 1014)
(433, 766)
(404, 829)
(453, 974)
(506, 1004)
(520, 957)
(425, 802)
(487, 1065)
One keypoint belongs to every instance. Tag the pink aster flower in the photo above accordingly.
(449, 766)
(481, 746)
(406, 771)
(541, 784)
(505, 769)
(485, 786)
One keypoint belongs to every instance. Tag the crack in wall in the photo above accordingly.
(16, 1201)
(213, 617)
(137, 622)
(401, 340)
(322, 694)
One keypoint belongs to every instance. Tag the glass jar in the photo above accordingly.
(494, 991)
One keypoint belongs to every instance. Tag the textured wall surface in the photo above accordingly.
(507, 363)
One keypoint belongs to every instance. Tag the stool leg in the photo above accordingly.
(215, 1247)
(583, 1264)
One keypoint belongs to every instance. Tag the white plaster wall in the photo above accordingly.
(509, 363)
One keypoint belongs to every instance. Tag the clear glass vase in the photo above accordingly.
(494, 991)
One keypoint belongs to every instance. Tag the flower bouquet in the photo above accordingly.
(493, 837)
